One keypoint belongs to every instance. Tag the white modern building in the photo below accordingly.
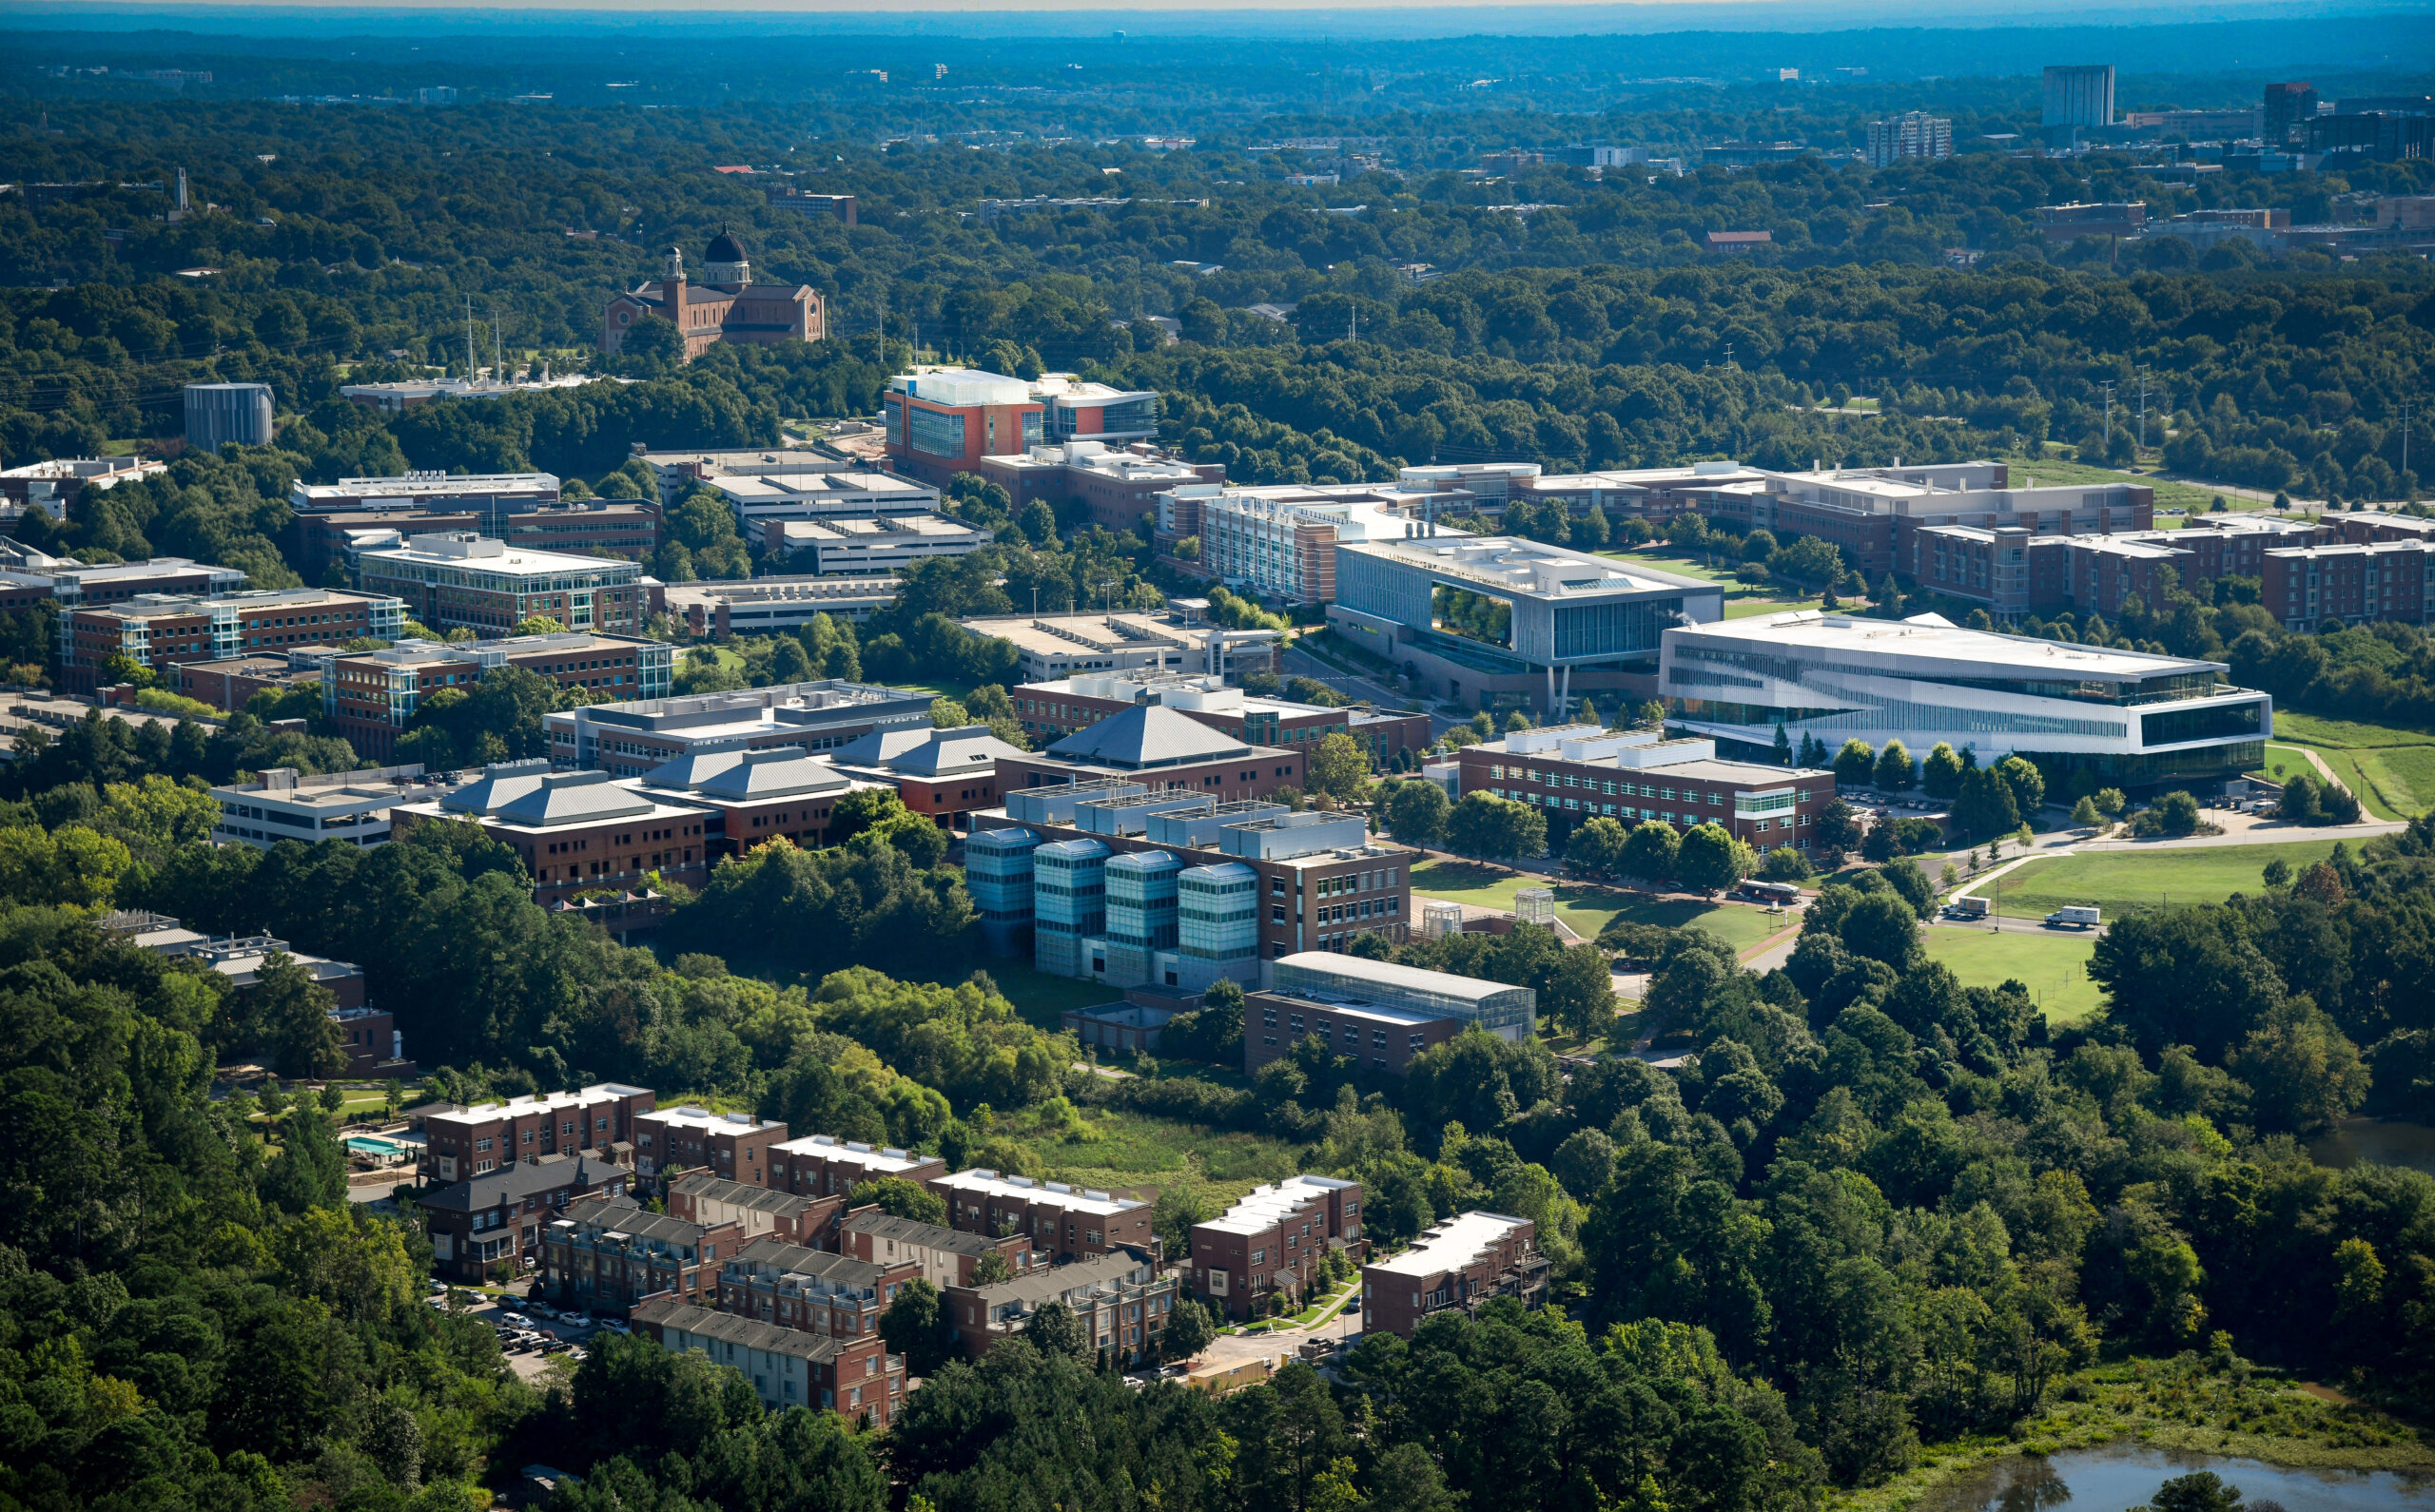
(428, 490)
(2132, 719)
(350, 806)
(869, 544)
(453, 580)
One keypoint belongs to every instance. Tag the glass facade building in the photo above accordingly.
(1069, 903)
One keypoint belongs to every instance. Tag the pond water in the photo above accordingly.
(2385, 1141)
(2120, 1476)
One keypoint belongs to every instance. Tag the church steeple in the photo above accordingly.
(672, 286)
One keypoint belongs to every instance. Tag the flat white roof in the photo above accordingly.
(1261, 1206)
(1450, 1246)
(1933, 638)
(882, 1159)
(1388, 974)
(552, 1102)
(690, 1118)
(989, 1182)
(1529, 568)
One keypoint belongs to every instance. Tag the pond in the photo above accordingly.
(2385, 1141)
(2119, 1476)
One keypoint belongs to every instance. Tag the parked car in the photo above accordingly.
(515, 1319)
(542, 1309)
(616, 1325)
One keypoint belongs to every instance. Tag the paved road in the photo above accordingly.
(1302, 664)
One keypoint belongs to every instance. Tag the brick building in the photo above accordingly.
(735, 1146)
(1160, 749)
(485, 584)
(608, 1253)
(1270, 1241)
(160, 630)
(944, 773)
(226, 682)
(2356, 583)
(1064, 1223)
(1460, 1264)
(816, 1290)
(1121, 1298)
(372, 696)
(496, 1219)
(758, 1213)
(1118, 488)
(826, 1165)
(2014, 572)
(630, 739)
(29, 577)
(726, 306)
(1577, 772)
(943, 421)
(575, 832)
(788, 1368)
(753, 797)
(1070, 704)
(476, 1140)
(946, 1257)
(1379, 1014)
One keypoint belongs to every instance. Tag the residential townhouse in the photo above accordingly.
(758, 1213)
(1064, 1223)
(788, 1368)
(733, 1146)
(609, 1253)
(479, 1139)
(946, 1257)
(1460, 1264)
(1271, 1242)
(1122, 1299)
(490, 1226)
(815, 1290)
(826, 1165)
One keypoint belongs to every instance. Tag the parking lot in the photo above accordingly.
(532, 1332)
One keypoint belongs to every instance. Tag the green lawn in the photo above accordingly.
(2312, 729)
(1586, 909)
(2390, 769)
(2053, 969)
(2117, 880)
(2169, 494)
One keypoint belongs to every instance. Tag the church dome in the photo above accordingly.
(725, 248)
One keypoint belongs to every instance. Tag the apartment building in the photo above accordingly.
(2359, 527)
(826, 1165)
(1160, 749)
(2358, 583)
(1270, 1242)
(281, 804)
(488, 1227)
(1460, 1264)
(372, 696)
(753, 797)
(156, 631)
(1578, 772)
(1064, 1223)
(788, 1368)
(735, 1146)
(1118, 488)
(1119, 886)
(757, 1211)
(632, 738)
(575, 832)
(1122, 1300)
(608, 1253)
(2014, 572)
(815, 1290)
(486, 584)
(1375, 1012)
(946, 1257)
(1911, 135)
(1067, 705)
(1872, 514)
(475, 1141)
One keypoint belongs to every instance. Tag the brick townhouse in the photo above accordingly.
(1064, 1223)
(608, 1253)
(788, 1368)
(486, 1221)
(735, 1146)
(824, 1165)
(816, 1290)
(1271, 1242)
(947, 1258)
(1461, 1263)
(759, 1213)
(1121, 1298)
(473, 1141)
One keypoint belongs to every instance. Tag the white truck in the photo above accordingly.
(2079, 916)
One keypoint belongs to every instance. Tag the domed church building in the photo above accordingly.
(726, 306)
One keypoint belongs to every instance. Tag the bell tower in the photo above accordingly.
(672, 286)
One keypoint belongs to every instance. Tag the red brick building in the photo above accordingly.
(1579, 772)
(575, 832)
(1271, 1242)
(726, 306)
(1064, 1223)
(479, 1226)
(814, 1291)
(2356, 584)
(1122, 1299)
(943, 773)
(753, 797)
(226, 682)
(608, 1253)
(475, 1141)
(1460, 1264)
(1161, 749)
(787, 1367)
(758, 1213)
(161, 631)
(946, 1257)
(732, 1145)
(825, 1166)
(372, 696)
(1071, 705)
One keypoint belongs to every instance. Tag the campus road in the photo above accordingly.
(1299, 663)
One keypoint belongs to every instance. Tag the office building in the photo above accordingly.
(1069, 705)
(714, 608)
(372, 696)
(753, 797)
(405, 394)
(605, 1255)
(1499, 620)
(1579, 772)
(826, 1165)
(227, 683)
(1118, 487)
(1064, 1223)
(490, 496)
(1462, 1263)
(1270, 1241)
(634, 738)
(1871, 515)
(944, 773)
(488, 1227)
(1279, 549)
(1379, 1014)
(2121, 719)
(733, 1146)
(726, 306)
(2065, 224)
(461, 1142)
(946, 1257)
(576, 832)
(757, 1211)
(2285, 114)
(1122, 1299)
(840, 208)
(2354, 137)
(1911, 136)
(2205, 229)
(484, 585)
(1160, 748)
(55, 486)
(281, 804)
(2081, 96)
(786, 1366)
(1656, 494)
(29, 577)
(767, 483)
(942, 421)
(1050, 647)
(812, 1290)
(156, 631)
(219, 414)
(871, 546)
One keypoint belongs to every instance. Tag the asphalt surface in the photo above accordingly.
(529, 1364)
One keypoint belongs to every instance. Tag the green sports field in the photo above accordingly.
(2055, 969)
(2117, 880)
